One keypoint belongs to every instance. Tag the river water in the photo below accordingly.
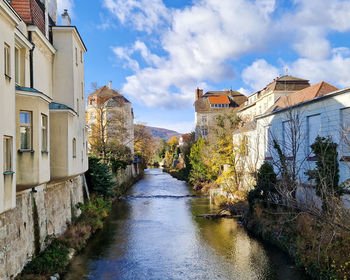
(154, 233)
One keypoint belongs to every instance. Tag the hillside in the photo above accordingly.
(162, 133)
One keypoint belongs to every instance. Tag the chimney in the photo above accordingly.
(199, 93)
(65, 18)
(110, 84)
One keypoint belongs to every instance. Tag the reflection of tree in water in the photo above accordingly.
(229, 240)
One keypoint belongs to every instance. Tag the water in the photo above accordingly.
(155, 233)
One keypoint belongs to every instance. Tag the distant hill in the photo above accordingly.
(162, 133)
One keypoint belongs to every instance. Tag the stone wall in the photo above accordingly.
(128, 174)
(45, 211)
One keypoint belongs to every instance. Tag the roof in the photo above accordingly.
(106, 92)
(303, 95)
(222, 92)
(221, 99)
(58, 106)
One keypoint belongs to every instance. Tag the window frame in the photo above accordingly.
(30, 125)
(8, 155)
(7, 60)
(74, 147)
(44, 133)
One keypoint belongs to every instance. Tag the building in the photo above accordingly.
(260, 101)
(110, 114)
(44, 140)
(294, 122)
(211, 104)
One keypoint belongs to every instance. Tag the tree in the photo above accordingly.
(199, 170)
(109, 126)
(144, 143)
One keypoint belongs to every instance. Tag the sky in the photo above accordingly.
(157, 52)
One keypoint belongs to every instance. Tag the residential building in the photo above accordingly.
(43, 131)
(110, 114)
(260, 101)
(319, 110)
(211, 104)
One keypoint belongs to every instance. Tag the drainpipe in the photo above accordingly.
(31, 60)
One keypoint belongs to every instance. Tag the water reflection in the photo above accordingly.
(156, 234)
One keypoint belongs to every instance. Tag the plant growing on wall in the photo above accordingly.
(326, 173)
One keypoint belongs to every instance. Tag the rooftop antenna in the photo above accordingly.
(287, 70)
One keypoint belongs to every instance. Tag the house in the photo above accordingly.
(211, 104)
(294, 122)
(260, 101)
(110, 113)
(44, 140)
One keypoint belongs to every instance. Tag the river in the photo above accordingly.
(154, 233)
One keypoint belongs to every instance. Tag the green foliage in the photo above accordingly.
(265, 186)
(94, 211)
(53, 260)
(199, 169)
(99, 178)
(327, 166)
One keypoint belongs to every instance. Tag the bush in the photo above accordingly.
(99, 178)
(94, 211)
(53, 260)
(265, 185)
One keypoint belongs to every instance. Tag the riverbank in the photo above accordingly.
(52, 262)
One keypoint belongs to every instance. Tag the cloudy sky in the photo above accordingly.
(157, 52)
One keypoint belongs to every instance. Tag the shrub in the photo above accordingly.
(99, 178)
(265, 185)
(53, 260)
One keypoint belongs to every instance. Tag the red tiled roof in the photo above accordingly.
(221, 99)
(303, 95)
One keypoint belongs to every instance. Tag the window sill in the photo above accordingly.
(9, 173)
(26, 151)
(314, 158)
(44, 152)
(345, 159)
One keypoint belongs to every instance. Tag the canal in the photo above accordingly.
(154, 233)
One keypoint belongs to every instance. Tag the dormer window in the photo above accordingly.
(92, 102)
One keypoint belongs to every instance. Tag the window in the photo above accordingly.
(26, 130)
(76, 56)
(74, 147)
(7, 154)
(81, 57)
(92, 102)
(204, 119)
(78, 108)
(82, 91)
(204, 132)
(314, 129)
(92, 116)
(17, 66)
(87, 148)
(44, 133)
(7, 60)
(345, 131)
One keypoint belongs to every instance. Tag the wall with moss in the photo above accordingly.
(45, 210)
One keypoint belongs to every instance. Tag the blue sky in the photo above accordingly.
(157, 52)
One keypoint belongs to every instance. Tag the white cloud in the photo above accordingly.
(145, 15)
(335, 70)
(259, 74)
(198, 43)
(244, 91)
(65, 4)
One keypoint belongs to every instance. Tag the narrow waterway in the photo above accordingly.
(154, 233)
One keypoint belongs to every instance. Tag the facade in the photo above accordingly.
(319, 110)
(211, 104)
(44, 137)
(111, 114)
(260, 101)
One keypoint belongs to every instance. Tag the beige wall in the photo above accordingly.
(33, 167)
(8, 21)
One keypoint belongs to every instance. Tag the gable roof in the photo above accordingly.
(221, 99)
(303, 95)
